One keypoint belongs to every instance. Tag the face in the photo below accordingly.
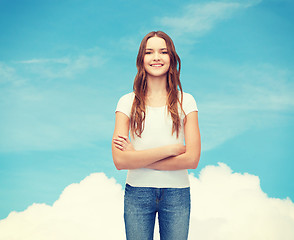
(156, 59)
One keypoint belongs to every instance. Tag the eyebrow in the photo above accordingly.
(152, 49)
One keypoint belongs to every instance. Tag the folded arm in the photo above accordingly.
(189, 159)
(132, 159)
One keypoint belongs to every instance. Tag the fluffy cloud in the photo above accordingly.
(92, 209)
(230, 205)
(225, 205)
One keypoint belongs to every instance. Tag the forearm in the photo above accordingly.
(139, 159)
(184, 161)
(190, 158)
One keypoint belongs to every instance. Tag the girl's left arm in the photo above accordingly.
(189, 159)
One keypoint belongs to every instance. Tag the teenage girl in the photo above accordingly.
(164, 142)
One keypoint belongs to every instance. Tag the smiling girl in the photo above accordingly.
(157, 138)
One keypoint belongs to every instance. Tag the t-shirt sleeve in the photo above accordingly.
(125, 103)
(189, 103)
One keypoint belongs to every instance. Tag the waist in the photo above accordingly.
(144, 177)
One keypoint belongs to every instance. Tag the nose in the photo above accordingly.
(156, 56)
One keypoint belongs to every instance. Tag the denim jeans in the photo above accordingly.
(141, 205)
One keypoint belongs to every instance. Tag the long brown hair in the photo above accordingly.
(138, 112)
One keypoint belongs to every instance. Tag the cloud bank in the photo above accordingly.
(229, 206)
(91, 209)
(225, 206)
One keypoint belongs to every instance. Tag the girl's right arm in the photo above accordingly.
(138, 159)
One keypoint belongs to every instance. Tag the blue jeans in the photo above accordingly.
(141, 205)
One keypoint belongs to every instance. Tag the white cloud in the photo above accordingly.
(225, 206)
(230, 205)
(201, 17)
(75, 215)
(89, 210)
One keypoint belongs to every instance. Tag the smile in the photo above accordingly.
(156, 65)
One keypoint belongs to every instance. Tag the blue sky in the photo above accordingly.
(64, 65)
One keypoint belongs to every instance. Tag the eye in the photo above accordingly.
(148, 52)
(164, 52)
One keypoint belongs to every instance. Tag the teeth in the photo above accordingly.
(156, 65)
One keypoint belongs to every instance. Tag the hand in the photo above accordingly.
(123, 143)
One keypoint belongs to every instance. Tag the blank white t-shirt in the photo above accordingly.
(157, 132)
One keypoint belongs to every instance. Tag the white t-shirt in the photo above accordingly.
(157, 132)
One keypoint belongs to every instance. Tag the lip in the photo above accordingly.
(156, 65)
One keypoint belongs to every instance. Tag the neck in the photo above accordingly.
(156, 85)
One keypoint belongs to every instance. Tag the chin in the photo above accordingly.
(157, 73)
